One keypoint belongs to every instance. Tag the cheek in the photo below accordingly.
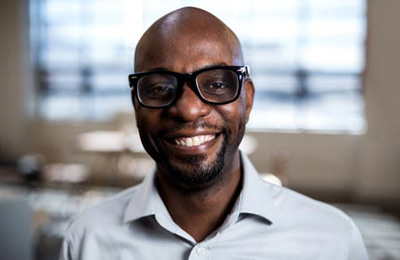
(146, 122)
(234, 115)
(241, 116)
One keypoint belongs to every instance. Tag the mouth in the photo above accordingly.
(193, 141)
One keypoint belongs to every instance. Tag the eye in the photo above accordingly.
(160, 89)
(217, 85)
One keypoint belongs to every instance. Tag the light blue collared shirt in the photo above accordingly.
(267, 222)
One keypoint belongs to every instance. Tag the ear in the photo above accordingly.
(249, 88)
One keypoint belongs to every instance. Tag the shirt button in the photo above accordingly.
(200, 250)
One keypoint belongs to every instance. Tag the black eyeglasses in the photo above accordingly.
(214, 85)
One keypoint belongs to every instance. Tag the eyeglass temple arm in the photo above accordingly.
(131, 78)
(246, 70)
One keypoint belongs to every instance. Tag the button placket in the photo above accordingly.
(200, 251)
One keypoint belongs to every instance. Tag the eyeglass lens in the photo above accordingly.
(157, 89)
(216, 86)
(219, 85)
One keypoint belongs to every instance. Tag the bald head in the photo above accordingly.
(187, 32)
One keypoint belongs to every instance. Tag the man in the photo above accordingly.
(192, 97)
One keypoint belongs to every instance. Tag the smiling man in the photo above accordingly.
(192, 97)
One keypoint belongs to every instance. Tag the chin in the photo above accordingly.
(197, 170)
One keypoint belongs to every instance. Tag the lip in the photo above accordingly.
(194, 141)
(199, 149)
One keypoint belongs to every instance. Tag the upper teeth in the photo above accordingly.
(193, 141)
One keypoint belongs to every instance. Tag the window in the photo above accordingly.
(306, 57)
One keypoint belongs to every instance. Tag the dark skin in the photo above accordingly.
(184, 41)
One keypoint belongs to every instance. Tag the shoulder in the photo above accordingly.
(301, 220)
(317, 224)
(106, 214)
(98, 227)
(293, 208)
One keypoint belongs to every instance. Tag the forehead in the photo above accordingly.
(186, 50)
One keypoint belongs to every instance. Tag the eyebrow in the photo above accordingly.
(205, 67)
(158, 69)
(214, 65)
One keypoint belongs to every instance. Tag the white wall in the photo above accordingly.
(361, 167)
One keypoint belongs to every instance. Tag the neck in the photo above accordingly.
(207, 207)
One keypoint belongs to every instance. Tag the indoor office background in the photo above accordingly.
(325, 122)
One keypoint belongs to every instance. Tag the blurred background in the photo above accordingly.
(325, 122)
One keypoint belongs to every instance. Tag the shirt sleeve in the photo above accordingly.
(357, 250)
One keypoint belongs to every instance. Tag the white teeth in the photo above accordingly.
(196, 141)
(193, 141)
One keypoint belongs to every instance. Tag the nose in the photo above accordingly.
(189, 107)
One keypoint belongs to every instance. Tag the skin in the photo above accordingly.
(184, 41)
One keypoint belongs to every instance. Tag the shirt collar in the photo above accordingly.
(144, 201)
(256, 197)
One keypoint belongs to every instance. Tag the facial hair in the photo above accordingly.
(199, 174)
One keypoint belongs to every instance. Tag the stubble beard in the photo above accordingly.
(200, 173)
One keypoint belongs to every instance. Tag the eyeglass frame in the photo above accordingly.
(242, 72)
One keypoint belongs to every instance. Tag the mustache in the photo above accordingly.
(193, 126)
(196, 125)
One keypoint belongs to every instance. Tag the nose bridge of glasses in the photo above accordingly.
(189, 104)
(188, 80)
